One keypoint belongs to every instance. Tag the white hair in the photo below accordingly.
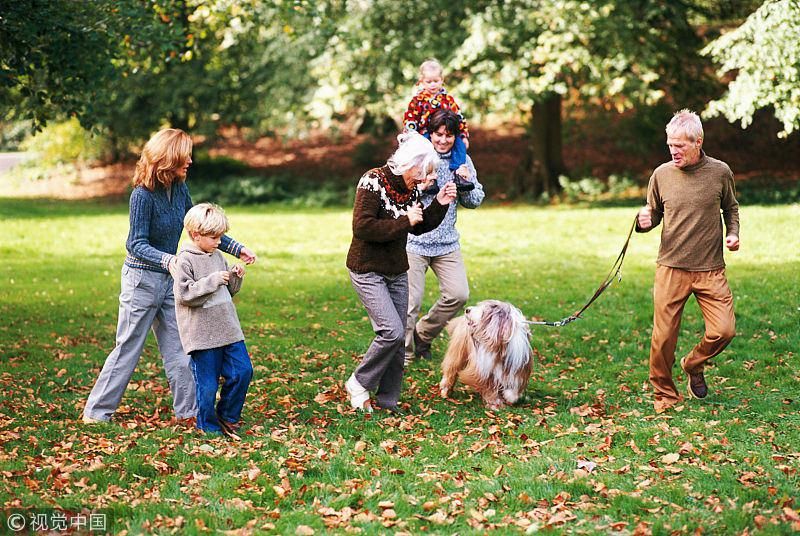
(415, 151)
(685, 122)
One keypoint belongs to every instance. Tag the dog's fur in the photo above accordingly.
(489, 351)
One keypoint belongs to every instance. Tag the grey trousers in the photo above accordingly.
(386, 301)
(145, 301)
(453, 294)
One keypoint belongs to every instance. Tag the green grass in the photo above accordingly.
(449, 467)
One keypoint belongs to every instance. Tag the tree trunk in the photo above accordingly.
(543, 161)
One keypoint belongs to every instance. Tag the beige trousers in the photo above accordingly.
(671, 290)
(453, 294)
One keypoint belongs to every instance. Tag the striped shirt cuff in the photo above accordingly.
(234, 248)
(165, 260)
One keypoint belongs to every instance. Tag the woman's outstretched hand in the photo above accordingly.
(247, 256)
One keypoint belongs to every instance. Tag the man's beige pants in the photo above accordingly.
(671, 290)
(453, 294)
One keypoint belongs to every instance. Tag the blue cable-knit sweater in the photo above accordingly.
(156, 224)
(444, 239)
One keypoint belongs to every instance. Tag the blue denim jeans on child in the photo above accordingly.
(232, 362)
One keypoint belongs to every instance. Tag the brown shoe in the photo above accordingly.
(229, 430)
(421, 348)
(697, 382)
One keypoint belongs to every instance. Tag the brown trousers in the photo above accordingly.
(671, 290)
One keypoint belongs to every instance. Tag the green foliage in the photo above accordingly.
(227, 181)
(450, 467)
(767, 191)
(592, 189)
(283, 188)
(764, 55)
(61, 58)
(13, 133)
(65, 143)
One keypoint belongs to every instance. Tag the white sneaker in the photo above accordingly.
(359, 397)
(91, 420)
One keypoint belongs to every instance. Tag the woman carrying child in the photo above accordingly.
(439, 249)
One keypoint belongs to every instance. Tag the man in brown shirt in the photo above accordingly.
(688, 193)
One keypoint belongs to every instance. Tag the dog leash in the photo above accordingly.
(614, 273)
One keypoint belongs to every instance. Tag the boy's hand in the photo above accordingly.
(732, 242)
(225, 276)
(238, 269)
(466, 142)
(463, 172)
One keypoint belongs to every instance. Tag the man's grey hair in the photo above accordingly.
(685, 122)
(415, 151)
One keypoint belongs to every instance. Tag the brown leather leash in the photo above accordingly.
(614, 273)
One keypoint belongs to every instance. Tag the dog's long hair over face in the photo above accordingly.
(489, 351)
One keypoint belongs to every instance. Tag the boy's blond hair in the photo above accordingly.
(163, 155)
(206, 219)
(431, 64)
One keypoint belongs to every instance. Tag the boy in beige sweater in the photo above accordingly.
(207, 321)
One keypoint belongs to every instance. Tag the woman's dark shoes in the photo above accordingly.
(463, 185)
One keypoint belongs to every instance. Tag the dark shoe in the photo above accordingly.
(464, 185)
(697, 382)
(230, 429)
(397, 411)
(433, 190)
(421, 348)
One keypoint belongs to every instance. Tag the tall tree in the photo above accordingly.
(531, 55)
(60, 58)
(763, 58)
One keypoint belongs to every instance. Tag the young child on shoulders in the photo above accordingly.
(431, 96)
(207, 321)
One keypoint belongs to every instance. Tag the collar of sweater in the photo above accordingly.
(697, 165)
(191, 247)
(395, 184)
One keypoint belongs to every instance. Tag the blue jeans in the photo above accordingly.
(232, 362)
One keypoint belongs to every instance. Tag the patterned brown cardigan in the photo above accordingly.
(380, 224)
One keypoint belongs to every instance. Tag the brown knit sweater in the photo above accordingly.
(380, 224)
(689, 201)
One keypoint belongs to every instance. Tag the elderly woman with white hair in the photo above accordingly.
(385, 211)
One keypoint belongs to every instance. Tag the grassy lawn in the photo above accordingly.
(728, 464)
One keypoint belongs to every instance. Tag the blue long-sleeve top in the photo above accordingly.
(156, 224)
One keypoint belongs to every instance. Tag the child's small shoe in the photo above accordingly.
(230, 429)
(359, 397)
(431, 190)
(463, 185)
